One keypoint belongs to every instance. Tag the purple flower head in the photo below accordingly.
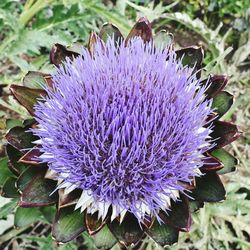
(126, 126)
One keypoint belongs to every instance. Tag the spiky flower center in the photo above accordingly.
(125, 126)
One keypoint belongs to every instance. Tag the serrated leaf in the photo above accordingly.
(68, 224)
(112, 16)
(30, 41)
(27, 97)
(44, 243)
(26, 216)
(104, 239)
(222, 102)
(8, 208)
(209, 188)
(227, 159)
(163, 234)
(23, 64)
(199, 27)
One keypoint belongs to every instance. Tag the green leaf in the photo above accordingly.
(9, 189)
(26, 216)
(48, 213)
(20, 138)
(44, 243)
(8, 208)
(27, 97)
(29, 40)
(163, 234)
(198, 26)
(104, 239)
(23, 64)
(68, 246)
(4, 170)
(68, 224)
(209, 188)
(128, 233)
(222, 103)
(34, 79)
(38, 192)
(151, 9)
(227, 159)
(101, 10)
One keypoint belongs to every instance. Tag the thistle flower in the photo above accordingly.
(127, 135)
(125, 127)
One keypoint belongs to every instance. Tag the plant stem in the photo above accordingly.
(28, 4)
(33, 10)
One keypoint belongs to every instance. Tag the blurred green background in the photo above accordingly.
(29, 28)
